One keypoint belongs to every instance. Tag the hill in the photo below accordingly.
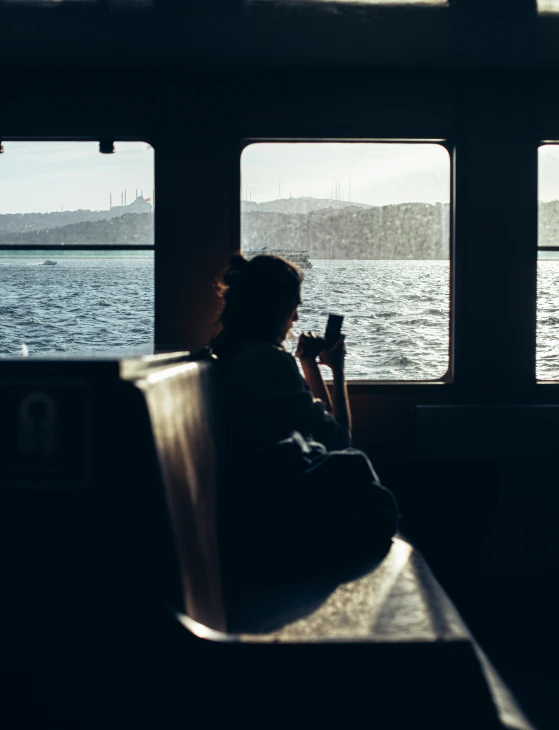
(405, 231)
(23, 222)
(124, 229)
(298, 205)
(548, 223)
(339, 230)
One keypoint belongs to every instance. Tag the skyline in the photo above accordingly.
(378, 173)
(44, 177)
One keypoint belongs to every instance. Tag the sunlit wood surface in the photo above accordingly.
(394, 608)
(399, 601)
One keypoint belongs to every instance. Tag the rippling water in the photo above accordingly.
(79, 304)
(547, 351)
(396, 312)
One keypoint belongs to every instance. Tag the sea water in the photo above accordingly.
(396, 312)
(86, 302)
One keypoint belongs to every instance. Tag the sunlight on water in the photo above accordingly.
(396, 315)
(547, 348)
(396, 312)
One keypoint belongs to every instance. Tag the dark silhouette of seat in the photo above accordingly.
(391, 623)
(181, 401)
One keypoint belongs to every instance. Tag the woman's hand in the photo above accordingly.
(334, 358)
(309, 346)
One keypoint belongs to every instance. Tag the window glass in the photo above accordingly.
(369, 222)
(59, 196)
(547, 343)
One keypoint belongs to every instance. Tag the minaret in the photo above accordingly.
(125, 198)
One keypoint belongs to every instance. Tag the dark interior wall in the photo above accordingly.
(197, 220)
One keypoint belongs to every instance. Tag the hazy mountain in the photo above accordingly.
(406, 231)
(548, 223)
(130, 228)
(22, 222)
(332, 229)
(298, 205)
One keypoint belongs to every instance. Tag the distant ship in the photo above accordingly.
(48, 263)
(301, 258)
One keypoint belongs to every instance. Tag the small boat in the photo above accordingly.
(301, 258)
(48, 262)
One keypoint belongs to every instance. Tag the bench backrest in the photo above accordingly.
(182, 404)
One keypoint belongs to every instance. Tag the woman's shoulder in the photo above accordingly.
(265, 352)
(266, 364)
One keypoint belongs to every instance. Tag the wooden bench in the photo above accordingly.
(387, 647)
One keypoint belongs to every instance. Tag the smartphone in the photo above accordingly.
(333, 329)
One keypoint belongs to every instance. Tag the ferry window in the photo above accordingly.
(370, 224)
(547, 347)
(76, 247)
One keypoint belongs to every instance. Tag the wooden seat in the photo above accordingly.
(181, 400)
(388, 642)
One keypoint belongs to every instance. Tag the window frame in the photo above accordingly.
(375, 385)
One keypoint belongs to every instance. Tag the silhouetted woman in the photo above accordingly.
(266, 396)
(299, 500)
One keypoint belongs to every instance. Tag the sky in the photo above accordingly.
(40, 177)
(49, 176)
(379, 173)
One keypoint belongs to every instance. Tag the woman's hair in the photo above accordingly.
(258, 297)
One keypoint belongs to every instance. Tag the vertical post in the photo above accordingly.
(193, 245)
(496, 237)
